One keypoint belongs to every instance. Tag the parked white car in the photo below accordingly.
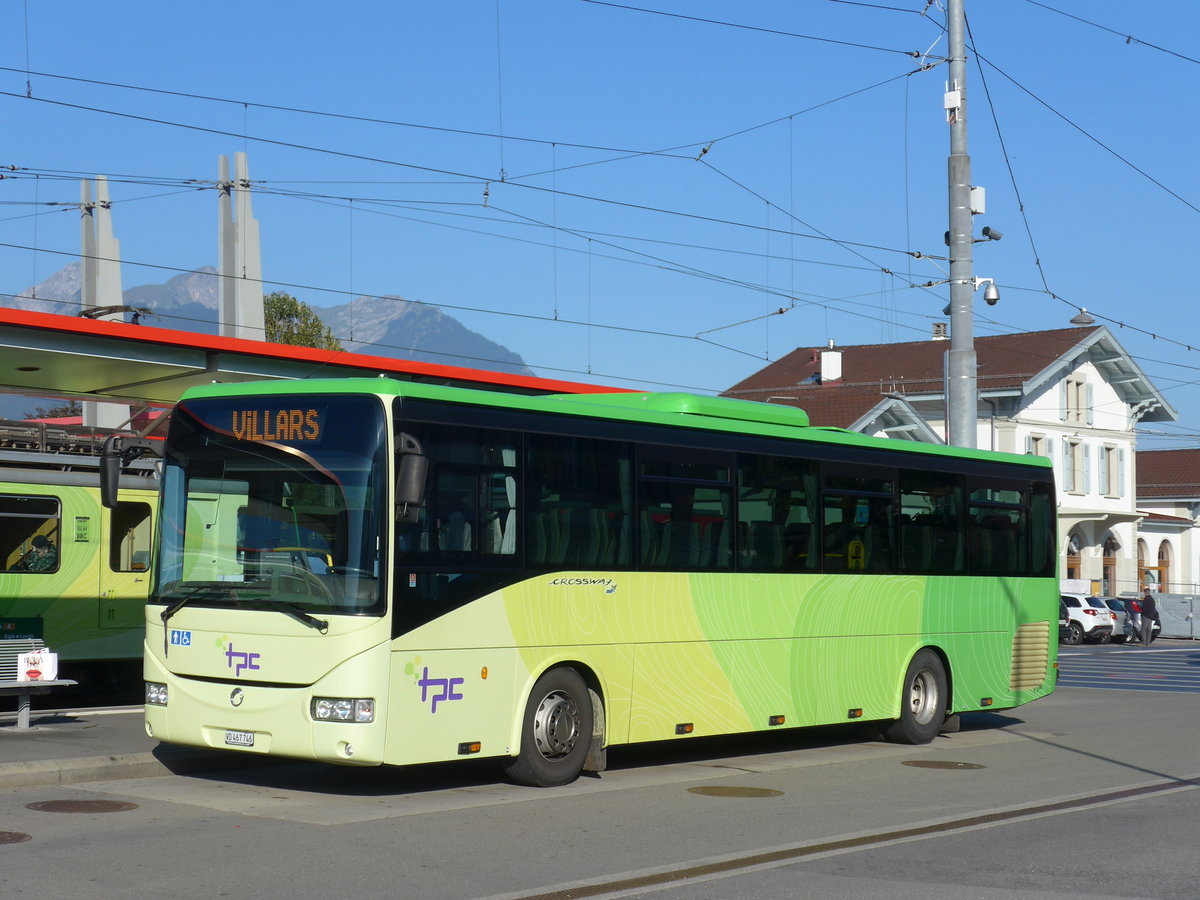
(1089, 622)
(1100, 604)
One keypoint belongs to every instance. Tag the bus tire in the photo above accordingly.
(556, 732)
(923, 703)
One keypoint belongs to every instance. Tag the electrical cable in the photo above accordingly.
(1129, 39)
(1090, 136)
(369, 120)
(808, 37)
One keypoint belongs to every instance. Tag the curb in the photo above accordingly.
(161, 761)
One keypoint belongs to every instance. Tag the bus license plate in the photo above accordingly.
(240, 738)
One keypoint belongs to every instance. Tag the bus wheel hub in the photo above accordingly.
(555, 725)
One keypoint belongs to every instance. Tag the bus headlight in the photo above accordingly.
(156, 694)
(336, 709)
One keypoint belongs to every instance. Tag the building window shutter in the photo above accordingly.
(1062, 401)
(1121, 472)
(1068, 467)
(1028, 443)
(1089, 404)
(1102, 469)
(1087, 469)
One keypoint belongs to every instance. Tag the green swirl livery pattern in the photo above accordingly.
(727, 652)
(88, 612)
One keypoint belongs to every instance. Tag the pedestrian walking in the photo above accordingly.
(1149, 617)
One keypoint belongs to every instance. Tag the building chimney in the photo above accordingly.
(939, 331)
(831, 364)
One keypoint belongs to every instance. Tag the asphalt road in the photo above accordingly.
(1049, 800)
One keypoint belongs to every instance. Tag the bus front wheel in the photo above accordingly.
(923, 704)
(556, 732)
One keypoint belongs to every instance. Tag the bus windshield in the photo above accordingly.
(275, 503)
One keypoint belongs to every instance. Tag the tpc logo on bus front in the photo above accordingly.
(240, 660)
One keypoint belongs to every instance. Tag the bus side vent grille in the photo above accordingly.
(1030, 656)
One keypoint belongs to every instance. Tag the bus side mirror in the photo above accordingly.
(110, 475)
(120, 449)
(410, 479)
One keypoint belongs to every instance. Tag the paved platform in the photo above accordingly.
(96, 745)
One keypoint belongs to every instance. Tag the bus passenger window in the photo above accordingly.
(930, 532)
(1043, 533)
(685, 506)
(777, 514)
(456, 511)
(999, 531)
(859, 533)
(498, 508)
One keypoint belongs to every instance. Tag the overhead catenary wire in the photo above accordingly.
(369, 120)
(1091, 137)
(707, 145)
(272, 187)
(1119, 323)
(479, 179)
(807, 37)
(1127, 38)
(198, 184)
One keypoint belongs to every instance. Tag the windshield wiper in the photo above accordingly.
(221, 591)
(295, 610)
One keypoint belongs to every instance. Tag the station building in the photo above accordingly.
(1127, 518)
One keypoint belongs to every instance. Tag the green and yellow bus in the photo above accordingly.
(375, 572)
(72, 572)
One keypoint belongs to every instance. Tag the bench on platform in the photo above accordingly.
(10, 652)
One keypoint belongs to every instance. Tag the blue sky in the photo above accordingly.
(547, 186)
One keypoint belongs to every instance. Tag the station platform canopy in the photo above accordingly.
(49, 355)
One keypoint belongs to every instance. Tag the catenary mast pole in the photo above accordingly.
(962, 402)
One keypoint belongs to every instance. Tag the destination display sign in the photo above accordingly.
(286, 425)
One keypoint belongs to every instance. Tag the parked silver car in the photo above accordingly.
(1122, 624)
(1133, 618)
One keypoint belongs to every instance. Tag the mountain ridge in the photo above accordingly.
(387, 326)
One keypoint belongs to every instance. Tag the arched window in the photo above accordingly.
(1152, 573)
(1074, 550)
(1111, 549)
(1164, 566)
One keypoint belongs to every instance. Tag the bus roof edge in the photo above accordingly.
(697, 405)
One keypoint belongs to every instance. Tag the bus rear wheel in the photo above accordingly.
(923, 704)
(556, 732)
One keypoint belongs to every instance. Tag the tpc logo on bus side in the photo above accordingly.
(445, 688)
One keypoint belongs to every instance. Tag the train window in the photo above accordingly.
(129, 538)
(30, 533)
